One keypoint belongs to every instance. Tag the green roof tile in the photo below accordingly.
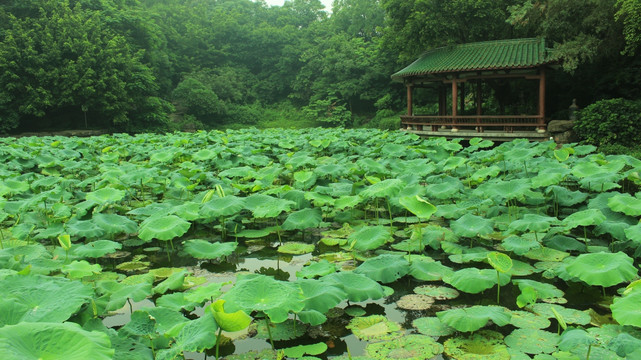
(487, 55)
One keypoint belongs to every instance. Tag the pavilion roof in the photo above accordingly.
(480, 56)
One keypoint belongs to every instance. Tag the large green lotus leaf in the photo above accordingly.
(546, 254)
(115, 224)
(437, 292)
(386, 188)
(528, 320)
(626, 204)
(384, 268)
(222, 206)
(633, 233)
(319, 199)
(482, 345)
(319, 295)
(105, 195)
(564, 196)
(300, 350)
(187, 210)
(429, 270)
(163, 228)
(374, 327)
(432, 326)
(175, 281)
(519, 244)
(532, 341)
(241, 171)
(79, 269)
(303, 219)
(500, 190)
(549, 177)
(418, 206)
(264, 206)
(604, 269)
(263, 293)
(465, 258)
(573, 338)
(474, 317)
(295, 248)
(314, 269)
(235, 321)
(472, 280)
(287, 330)
(358, 287)
(166, 319)
(369, 238)
(38, 341)
(533, 223)
(204, 293)
(472, 226)
(626, 309)
(485, 172)
(97, 249)
(570, 316)
(176, 301)
(203, 249)
(37, 298)
(415, 347)
(84, 228)
(347, 201)
(193, 336)
(601, 182)
(624, 345)
(584, 218)
(449, 188)
(10, 186)
(140, 324)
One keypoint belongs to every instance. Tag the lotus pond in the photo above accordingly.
(319, 243)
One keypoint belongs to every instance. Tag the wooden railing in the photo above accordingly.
(479, 123)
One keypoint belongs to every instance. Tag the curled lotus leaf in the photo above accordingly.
(626, 204)
(482, 345)
(432, 326)
(543, 290)
(287, 330)
(418, 206)
(385, 268)
(499, 261)
(35, 341)
(415, 302)
(603, 269)
(235, 321)
(163, 228)
(295, 248)
(414, 347)
(437, 292)
(474, 317)
(532, 341)
(203, 249)
(626, 309)
(374, 327)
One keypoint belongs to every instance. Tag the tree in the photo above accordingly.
(630, 13)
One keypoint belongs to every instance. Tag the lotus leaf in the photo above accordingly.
(626, 310)
(546, 254)
(624, 345)
(194, 335)
(472, 226)
(263, 293)
(532, 341)
(604, 269)
(79, 269)
(287, 330)
(314, 269)
(528, 320)
(414, 347)
(374, 327)
(141, 324)
(520, 268)
(203, 293)
(473, 280)
(519, 245)
(415, 302)
(166, 319)
(543, 290)
(474, 317)
(300, 350)
(97, 249)
(163, 228)
(499, 261)
(573, 338)
(469, 257)
(202, 249)
(319, 296)
(37, 298)
(222, 206)
(115, 224)
(347, 202)
(358, 287)
(485, 344)
(384, 268)
(266, 354)
(34, 341)
(566, 197)
(437, 292)
(571, 316)
(174, 282)
(236, 321)
(106, 195)
(429, 270)
(176, 301)
(84, 228)
(418, 206)
(432, 326)
(296, 248)
(254, 233)
(119, 292)
(385, 188)
(584, 218)
(369, 238)
(303, 219)
(533, 223)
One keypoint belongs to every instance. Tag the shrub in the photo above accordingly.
(608, 122)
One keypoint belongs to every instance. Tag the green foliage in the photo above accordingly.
(331, 111)
(610, 122)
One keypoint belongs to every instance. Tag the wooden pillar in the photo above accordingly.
(409, 100)
(442, 101)
(454, 104)
(479, 101)
(542, 99)
(462, 99)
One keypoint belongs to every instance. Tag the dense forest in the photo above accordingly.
(158, 65)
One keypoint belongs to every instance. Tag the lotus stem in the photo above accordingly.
(389, 210)
(153, 349)
(269, 332)
(603, 288)
(589, 350)
(498, 288)
(1, 239)
(131, 307)
(220, 331)
(349, 354)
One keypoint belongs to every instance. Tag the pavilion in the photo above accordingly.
(475, 67)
